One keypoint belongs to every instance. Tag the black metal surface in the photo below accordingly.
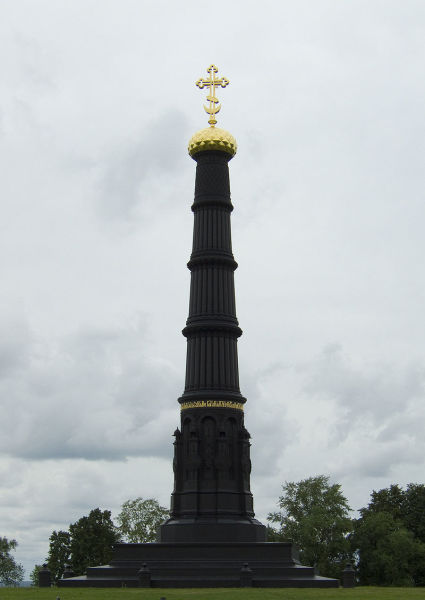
(212, 500)
(202, 565)
(212, 538)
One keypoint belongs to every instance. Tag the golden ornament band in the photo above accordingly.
(212, 404)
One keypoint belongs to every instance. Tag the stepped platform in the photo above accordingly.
(189, 565)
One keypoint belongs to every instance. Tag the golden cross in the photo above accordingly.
(212, 82)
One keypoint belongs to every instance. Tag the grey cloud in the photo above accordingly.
(328, 192)
(267, 419)
(96, 394)
(377, 460)
(378, 411)
(131, 171)
(36, 63)
(376, 391)
(14, 342)
(366, 420)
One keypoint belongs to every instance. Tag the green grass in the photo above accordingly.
(359, 593)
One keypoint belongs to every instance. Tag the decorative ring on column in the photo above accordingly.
(212, 404)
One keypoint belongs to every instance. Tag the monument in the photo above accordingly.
(212, 538)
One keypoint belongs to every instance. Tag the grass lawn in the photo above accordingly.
(369, 593)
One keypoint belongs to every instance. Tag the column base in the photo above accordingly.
(210, 529)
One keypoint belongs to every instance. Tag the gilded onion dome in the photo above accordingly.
(212, 138)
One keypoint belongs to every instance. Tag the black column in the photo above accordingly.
(212, 328)
(212, 500)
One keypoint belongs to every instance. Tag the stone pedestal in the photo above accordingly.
(349, 576)
(44, 577)
(183, 565)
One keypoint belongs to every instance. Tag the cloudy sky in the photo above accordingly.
(97, 103)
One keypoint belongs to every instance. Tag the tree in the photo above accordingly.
(11, 573)
(414, 521)
(140, 519)
(414, 510)
(315, 515)
(407, 505)
(59, 553)
(388, 554)
(92, 539)
(390, 500)
(393, 520)
(34, 575)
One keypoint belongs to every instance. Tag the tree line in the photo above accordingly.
(385, 544)
(89, 541)
(11, 572)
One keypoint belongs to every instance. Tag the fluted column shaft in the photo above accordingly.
(212, 327)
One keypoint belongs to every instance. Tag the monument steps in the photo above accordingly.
(203, 581)
(202, 565)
